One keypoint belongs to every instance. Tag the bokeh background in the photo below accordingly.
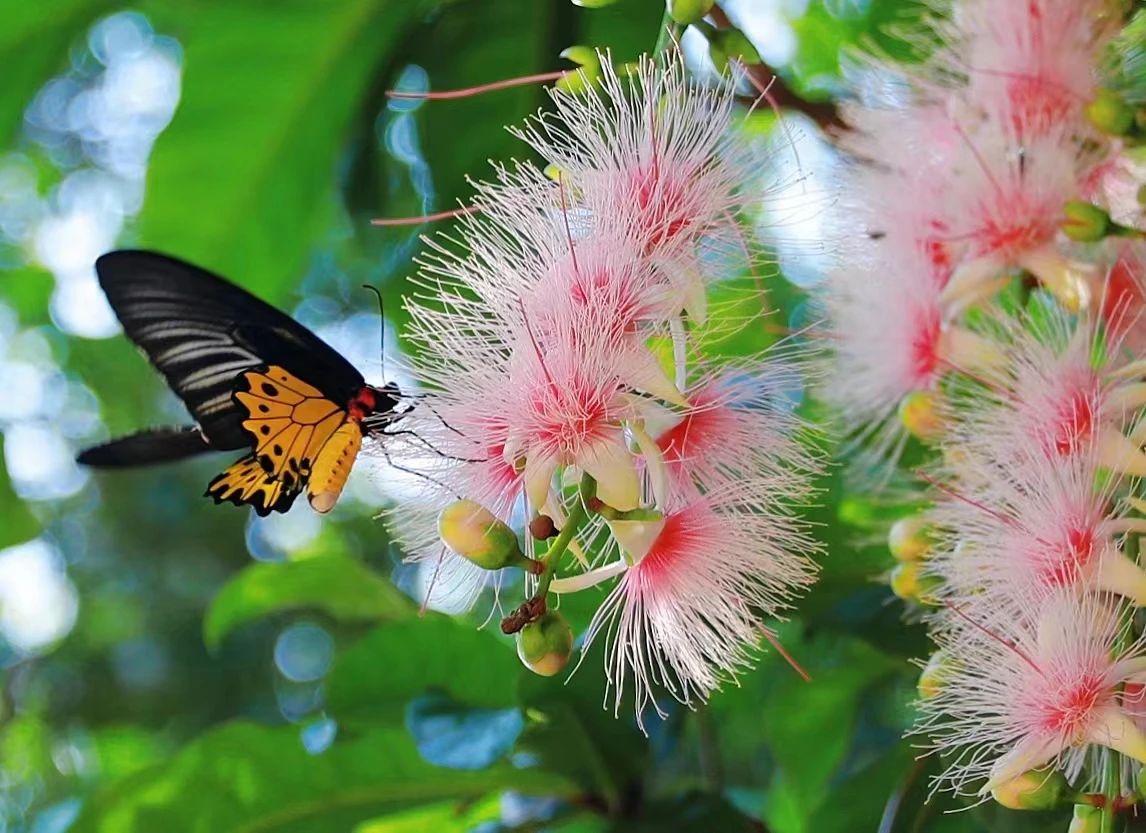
(170, 665)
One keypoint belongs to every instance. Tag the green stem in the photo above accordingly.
(1111, 786)
(561, 542)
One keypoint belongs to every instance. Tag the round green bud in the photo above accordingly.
(1084, 221)
(686, 12)
(934, 675)
(1036, 789)
(588, 61)
(1085, 819)
(545, 646)
(920, 414)
(1110, 113)
(910, 538)
(910, 584)
(475, 533)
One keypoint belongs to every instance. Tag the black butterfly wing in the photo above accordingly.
(202, 331)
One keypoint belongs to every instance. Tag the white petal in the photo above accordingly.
(1068, 280)
(615, 471)
(538, 477)
(636, 537)
(1029, 753)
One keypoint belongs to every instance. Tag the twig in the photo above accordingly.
(823, 113)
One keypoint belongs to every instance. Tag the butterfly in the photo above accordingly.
(251, 376)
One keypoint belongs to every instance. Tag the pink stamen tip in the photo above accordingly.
(775, 643)
(466, 92)
(427, 218)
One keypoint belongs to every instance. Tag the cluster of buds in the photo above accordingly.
(991, 307)
(570, 431)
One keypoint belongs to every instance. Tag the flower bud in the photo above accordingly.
(909, 583)
(1084, 221)
(933, 675)
(919, 413)
(1110, 113)
(1086, 819)
(588, 61)
(542, 528)
(544, 646)
(910, 539)
(686, 12)
(473, 532)
(1036, 789)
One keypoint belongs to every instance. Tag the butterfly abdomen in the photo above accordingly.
(332, 466)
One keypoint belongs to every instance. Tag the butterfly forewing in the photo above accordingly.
(202, 331)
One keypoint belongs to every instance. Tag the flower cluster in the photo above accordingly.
(570, 426)
(990, 305)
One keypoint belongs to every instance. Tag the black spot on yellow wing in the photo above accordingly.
(245, 482)
(289, 420)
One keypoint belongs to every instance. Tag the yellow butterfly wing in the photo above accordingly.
(290, 423)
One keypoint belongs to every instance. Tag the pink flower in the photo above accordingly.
(653, 155)
(1007, 206)
(737, 425)
(1029, 65)
(689, 612)
(1009, 539)
(1021, 694)
(1064, 393)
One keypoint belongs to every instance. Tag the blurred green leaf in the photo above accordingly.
(239, 180)
(340, 587)
(381, 673)
(17, 523)
(34, 41)
(447, 817)
(252, 779)
(569, 732)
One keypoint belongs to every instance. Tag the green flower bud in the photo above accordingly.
(1036, 789)
(686, 12)
(545, 646)
(910, 538)
(1086, 819)
(934, 675)
(588, 61)
(475, 533)
(1110, 113)
(919, 413)
(910, 584)
(1084, 221)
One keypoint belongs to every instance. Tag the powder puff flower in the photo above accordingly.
(1007, 205)
(1067, 390)
(1009, 540)
(653, 154)
(1028, 65)
(1018, 695)
(689, 611)
(737, 424)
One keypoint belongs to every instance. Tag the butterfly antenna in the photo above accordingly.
(382, 318)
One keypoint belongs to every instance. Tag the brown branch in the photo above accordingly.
(823, 113)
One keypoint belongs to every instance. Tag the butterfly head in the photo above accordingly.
(376, 407)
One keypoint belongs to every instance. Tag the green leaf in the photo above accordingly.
(570, 732)
(241, 177)
(379, 675)
(34, 41)
(244, 778)
(341, 587)
(440, 818)
(17, 523)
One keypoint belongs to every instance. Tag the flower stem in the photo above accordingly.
(1111, 787)
(561, 543)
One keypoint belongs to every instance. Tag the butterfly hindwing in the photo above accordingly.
(289, 423)
(245, 482)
